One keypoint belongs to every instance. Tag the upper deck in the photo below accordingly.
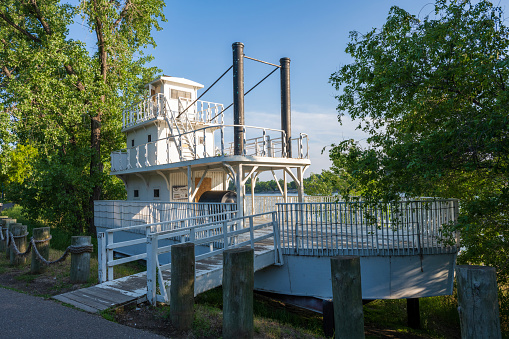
(196, 130)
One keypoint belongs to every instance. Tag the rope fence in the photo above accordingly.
(72, 249)
(17, 248)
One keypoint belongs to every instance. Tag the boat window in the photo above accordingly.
(156, 193)
(136, 193)
(175, 94)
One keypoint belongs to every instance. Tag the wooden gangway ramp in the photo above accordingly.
(133, 288)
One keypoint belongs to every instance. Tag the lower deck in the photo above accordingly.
(405, 250)
(133, 288)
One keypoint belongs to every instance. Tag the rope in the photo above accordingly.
(215, 82)
(15, 248)
(72, 249)
(42, 240)
(259, 82)
(19, 236)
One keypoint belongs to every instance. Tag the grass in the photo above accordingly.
(273, 319)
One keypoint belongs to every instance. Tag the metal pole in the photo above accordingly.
(286, 119)
(238, 97)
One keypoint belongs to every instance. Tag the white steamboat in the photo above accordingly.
(180, 151)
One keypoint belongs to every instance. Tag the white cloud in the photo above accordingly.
(322, 127)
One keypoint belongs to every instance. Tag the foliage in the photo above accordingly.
(432, 94)
(65, 102)
(332, 181)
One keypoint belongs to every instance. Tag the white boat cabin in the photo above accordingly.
(179, 147)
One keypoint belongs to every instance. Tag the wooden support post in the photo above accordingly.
(2, 229)
(20, 231)
(328, 318)
(413, 313)
(8, 223)
(151, 269)
(101, 258)
(182, 286)
(238, 283)
(80, 263)
(347, 297)
(300, 187)
(478, 302)
(42, 233)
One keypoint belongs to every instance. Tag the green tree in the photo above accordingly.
(432, 94)
(67, 102)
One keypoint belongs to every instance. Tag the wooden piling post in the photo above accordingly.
(42, 233)
(80, 263)
(478, 302)
(182, 286)
(238, 283)
(347, 297)
(2, 229)
(328, 318)
(413, 313)
(20, 239)
(6, 229)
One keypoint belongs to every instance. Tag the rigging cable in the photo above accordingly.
(259, 82)
(205, 91)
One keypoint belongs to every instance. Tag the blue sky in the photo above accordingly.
(195, 43)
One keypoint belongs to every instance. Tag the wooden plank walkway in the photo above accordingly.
(133, 288)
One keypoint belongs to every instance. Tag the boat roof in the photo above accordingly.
(181, 81)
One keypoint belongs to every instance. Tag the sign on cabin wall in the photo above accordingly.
(179, 192)
(205, 186)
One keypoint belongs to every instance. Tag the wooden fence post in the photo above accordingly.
(347, 297)
(101, 257)
(238, 284)
(478, 302)
(182, 286)
(413, 313)
(2, 229)
(80, 263)
(42, 233)
(6, 227)
(20, 239)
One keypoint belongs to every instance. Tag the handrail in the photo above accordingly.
(114, 230)
(154, 269)
(226, 230)
(263, 145)
(106, 245)
(411, 227)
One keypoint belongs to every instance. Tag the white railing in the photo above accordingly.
(358, 228)
(147, 109)
(227, 231)
(268, 203)
(107, 245)
(120, 213)
(263, 142)
(202, 111)
(157, 106)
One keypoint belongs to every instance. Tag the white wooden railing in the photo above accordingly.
(157, 106)
(358, 228)
(258, 141)
(107, 246)
(267, 203)
(218, 229)
(122, 213)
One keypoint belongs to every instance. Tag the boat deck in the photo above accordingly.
(133, 288)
